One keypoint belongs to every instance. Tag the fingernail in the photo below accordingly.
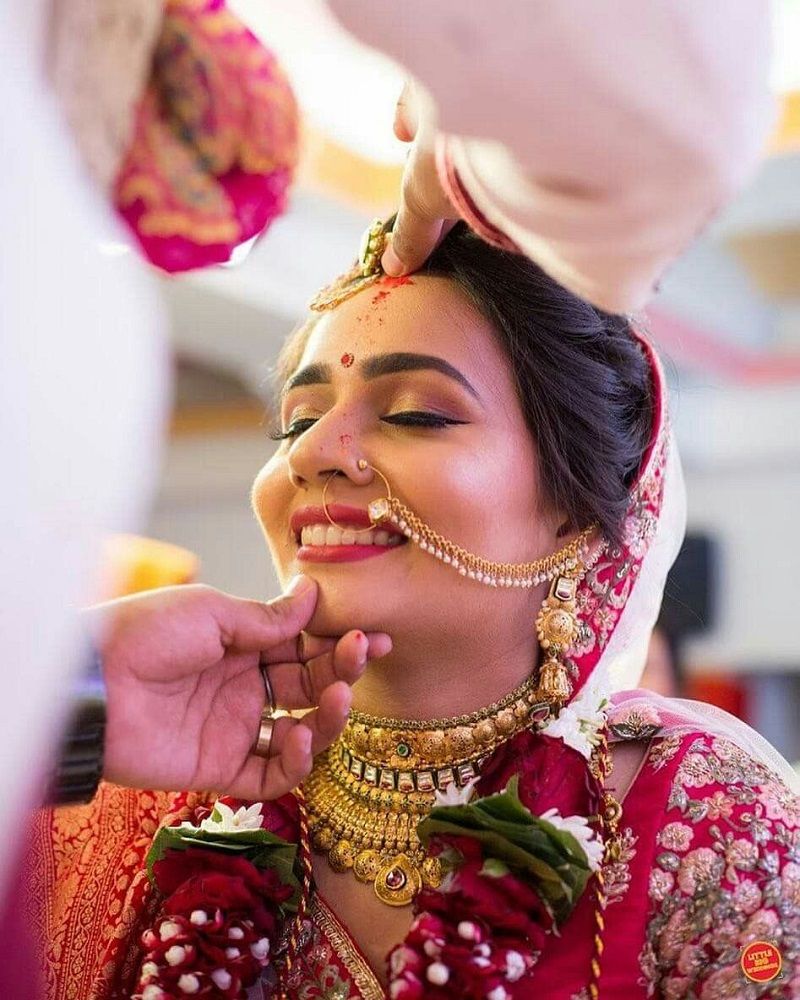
(391, 263)
(362, 644)
(298, 585)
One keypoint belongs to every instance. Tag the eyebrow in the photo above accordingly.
(383, 364)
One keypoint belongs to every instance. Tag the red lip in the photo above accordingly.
(342, 553)
(346, 516)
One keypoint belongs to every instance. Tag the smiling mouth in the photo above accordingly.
(326, 535)
(351, 538)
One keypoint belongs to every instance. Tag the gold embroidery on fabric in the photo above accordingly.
(87, 895)
(662, 751)
(617, 874)
(362, 975)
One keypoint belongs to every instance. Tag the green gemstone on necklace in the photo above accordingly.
(403, 750)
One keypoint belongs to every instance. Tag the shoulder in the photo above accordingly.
(726, 869)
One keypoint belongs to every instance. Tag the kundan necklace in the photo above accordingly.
(366, 796)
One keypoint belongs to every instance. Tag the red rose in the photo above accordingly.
(505, 906)
(199, 879)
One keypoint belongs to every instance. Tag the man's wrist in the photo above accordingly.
(80, 766)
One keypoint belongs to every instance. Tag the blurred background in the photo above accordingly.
(727, 320)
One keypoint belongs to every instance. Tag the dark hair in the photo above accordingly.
(582, 378)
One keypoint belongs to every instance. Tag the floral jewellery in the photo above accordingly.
(382, 776)
(513, 878)
(365, 272)
(567, 561)
(229, 883)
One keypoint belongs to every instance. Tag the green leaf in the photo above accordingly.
(550, 860)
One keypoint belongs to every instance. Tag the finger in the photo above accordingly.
(406, 119)
(263, 780)
(413, 240)
(325, 722)
(294, 744)
(288, 768)
(305, 647)
(256, 625)
(298, 685)
(418, 226)
(347, 661)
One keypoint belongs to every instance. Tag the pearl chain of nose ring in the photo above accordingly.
(570, 560)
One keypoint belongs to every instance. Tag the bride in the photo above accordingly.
(478, 463)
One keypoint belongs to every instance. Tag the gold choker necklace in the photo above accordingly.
(366, 796)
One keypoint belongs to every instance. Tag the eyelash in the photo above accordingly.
(409, 418)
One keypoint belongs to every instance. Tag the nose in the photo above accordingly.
(330, 445)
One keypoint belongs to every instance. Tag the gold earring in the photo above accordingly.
(557, 630)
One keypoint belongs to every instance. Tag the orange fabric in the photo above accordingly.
(88, 895)
(134, 563)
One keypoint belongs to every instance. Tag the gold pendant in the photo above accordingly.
(398, 881)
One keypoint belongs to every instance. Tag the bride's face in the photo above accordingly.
(411, 379)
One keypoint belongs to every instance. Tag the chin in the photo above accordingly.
(341, 608)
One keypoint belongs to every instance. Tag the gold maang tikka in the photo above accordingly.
(365, 272)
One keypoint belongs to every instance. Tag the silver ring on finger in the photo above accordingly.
(271, 705)
(266, 729)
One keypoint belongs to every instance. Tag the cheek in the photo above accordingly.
(489, 499)
(270, 497)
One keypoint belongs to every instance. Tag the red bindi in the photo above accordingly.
(347, 360)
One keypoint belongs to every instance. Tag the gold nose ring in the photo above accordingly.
(382, 502)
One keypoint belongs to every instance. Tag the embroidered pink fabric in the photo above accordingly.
(215, 142)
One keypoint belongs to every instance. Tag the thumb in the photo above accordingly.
(406, 118)
(289, 614)
(254, 626)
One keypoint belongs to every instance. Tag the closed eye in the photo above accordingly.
(420, 418)
(408, 418)
(294, 429)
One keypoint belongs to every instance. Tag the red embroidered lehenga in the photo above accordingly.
(708, 856)
(710, 862)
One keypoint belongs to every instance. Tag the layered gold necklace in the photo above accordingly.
(366, 796)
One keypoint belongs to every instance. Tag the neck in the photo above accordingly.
(423, 679)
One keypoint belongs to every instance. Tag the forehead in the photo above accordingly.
(428, 315)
